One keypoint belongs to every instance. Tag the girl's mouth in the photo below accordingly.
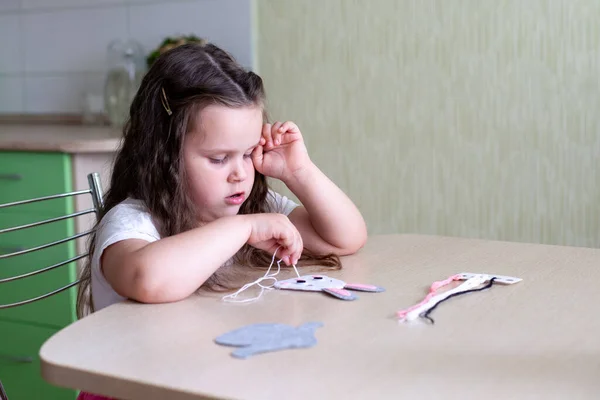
(235, 199)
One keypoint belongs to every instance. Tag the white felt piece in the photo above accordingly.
(506, 280)
(310, 283)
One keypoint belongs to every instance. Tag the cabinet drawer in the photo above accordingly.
(57, 310)
(20, 365)
(26, 175)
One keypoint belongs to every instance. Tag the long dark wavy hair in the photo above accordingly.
(149, 164)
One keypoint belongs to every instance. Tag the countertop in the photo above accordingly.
(59, 138)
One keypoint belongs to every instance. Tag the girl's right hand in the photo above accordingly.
(272, 230)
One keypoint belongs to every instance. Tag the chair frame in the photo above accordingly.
(95, 189)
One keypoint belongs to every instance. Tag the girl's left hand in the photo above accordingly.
(281, 153)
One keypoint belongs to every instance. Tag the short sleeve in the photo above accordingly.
(128, 220)
(280, 204)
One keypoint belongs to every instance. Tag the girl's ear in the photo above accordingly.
(363, 288)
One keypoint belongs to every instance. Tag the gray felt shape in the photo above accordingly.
(262, 338)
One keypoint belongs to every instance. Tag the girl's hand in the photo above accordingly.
(270, 231)
(281, 153)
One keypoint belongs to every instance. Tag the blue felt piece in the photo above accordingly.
(262, 338)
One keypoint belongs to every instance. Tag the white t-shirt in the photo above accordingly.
(130, 219)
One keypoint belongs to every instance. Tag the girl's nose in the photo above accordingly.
(238, 174)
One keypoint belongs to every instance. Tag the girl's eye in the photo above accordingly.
(217, 160)
(248, 155)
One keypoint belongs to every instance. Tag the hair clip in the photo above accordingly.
(165, 102)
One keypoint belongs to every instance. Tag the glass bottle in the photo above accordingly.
(126, 68)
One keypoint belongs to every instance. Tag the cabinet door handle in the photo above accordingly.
(18, 359)
(11, 177)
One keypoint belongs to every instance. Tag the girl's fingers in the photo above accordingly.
(299, 248)
(290, 132)
(266, 134)
(276, 133)
(294, 250)
(257, 157)
(286, 256)
(288, 126)
(291, 255)
(286, 240)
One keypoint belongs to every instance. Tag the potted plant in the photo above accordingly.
(170, 43)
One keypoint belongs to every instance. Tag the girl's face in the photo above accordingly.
(217, 159)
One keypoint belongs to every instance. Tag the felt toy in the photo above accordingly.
(322, 283)
(262, 338)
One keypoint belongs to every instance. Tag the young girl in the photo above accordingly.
(188, 192)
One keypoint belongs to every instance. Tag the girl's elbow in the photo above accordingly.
(354, 242)
(144, 287)
(357, 244)
(361, 237)
(147, 287)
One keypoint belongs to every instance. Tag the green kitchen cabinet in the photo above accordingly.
(20, 363)
(23, 329)
(39, 174)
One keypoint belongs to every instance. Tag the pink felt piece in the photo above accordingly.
(432, 292)
(363, 287)
(340, 293)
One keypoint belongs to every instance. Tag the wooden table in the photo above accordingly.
(539, 338)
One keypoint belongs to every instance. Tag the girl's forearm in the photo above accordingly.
(174, 267)
(332, 214)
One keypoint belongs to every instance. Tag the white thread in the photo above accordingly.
(232, 297)
(295, 269)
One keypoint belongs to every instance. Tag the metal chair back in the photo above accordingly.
(95, 190)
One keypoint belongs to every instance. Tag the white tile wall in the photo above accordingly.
(49, 4)
(9, 5)
(79, 38)
(10, 53)
(53, 4)
(54, 51)
(11, 94)
(211, 19)
(59, 94)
